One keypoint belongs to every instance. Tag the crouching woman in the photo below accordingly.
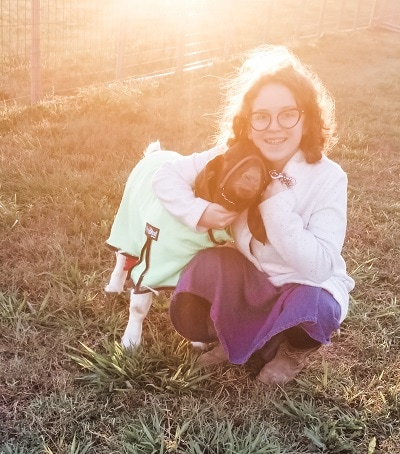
(283, 290)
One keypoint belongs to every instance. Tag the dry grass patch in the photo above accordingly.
(66, 387)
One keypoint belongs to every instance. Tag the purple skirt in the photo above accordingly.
(246, 310)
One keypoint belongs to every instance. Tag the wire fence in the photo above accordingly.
(51, 47)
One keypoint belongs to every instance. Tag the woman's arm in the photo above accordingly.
(173, 184)
(313, 249)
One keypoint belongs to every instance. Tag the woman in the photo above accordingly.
(283, 290)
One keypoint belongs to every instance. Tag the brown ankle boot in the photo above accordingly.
(286, 365)
(213, 357)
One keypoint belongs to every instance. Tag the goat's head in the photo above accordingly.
(234, 179)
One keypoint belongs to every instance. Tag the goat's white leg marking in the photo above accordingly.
(139, 306)
(118, 276)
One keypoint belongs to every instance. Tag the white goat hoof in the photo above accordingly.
(199, 345)
(130, 341)
(111, 289)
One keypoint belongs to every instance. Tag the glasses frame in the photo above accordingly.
(300, 111)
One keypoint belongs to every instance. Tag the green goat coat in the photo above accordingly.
(174, 244)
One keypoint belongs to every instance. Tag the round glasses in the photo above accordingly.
(287, 119)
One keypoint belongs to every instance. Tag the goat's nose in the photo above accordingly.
(252, 177)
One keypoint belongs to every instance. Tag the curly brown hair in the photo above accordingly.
(277, 64)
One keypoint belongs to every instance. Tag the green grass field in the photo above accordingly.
(65, 384)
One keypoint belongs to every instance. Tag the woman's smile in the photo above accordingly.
(277, 143)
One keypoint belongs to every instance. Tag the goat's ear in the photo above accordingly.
(206, 180)
(214, 165)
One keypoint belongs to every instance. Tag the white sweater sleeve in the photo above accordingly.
(313, 250)
(174, 182)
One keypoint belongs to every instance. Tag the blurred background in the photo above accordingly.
(52, 47)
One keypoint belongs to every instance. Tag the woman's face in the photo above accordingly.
(277, 143)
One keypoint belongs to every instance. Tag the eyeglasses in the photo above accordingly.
(287, 119)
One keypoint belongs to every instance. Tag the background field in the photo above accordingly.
(65, 385)
(52, 47)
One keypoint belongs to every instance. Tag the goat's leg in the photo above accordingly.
(118, 276)
(139, 306)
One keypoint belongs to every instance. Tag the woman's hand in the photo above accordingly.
(216, 217)
(274, 187)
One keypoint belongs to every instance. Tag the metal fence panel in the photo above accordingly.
(54, 46)
(388, 14)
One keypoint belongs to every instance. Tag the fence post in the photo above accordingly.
(357, 14)
(228, 7)
(341, 13)
(36, 57)
(121, 40)
(181, 47)
(375, 13)
(267, 22)
(300, 16)
(321, 18)
(180, 52)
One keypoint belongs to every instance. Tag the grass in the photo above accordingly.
(65, 384)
